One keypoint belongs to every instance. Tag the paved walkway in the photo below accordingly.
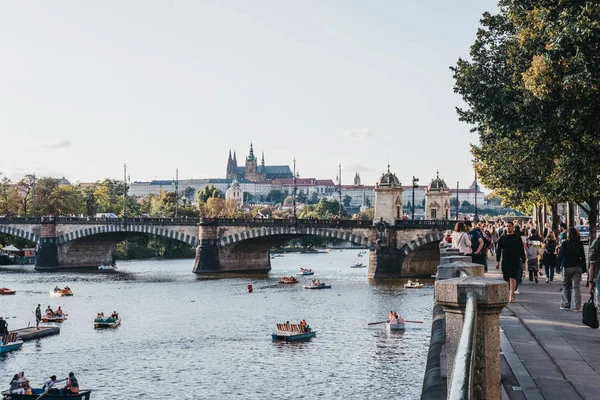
(551, 353)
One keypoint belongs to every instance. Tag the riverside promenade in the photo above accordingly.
(547, 353)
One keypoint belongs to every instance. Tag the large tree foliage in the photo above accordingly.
(532, 93)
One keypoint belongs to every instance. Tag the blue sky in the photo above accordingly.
(160, 85)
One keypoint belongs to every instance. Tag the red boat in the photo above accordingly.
(6, 290)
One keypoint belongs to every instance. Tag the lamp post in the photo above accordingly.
(176, 184)
(124, 188)
(339, 179)
(476, 218)
(457, 205)
(414, 186)
(294, 190)
(33, 197)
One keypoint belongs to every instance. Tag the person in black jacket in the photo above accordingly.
(512, 253)
(571, 258)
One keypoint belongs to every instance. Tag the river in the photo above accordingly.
(190, 337)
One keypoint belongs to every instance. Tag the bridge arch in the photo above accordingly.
(129, 229)
(20, 233)
(287, 232)
(421, 257)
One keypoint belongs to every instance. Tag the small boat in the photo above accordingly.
(66, 291)
(305, 271)
(5, 291)
(318, 286)
(413, 285)
(291, 333)
(56, 319)
(394, 327)
(288, 280)
(106, 322)
(358, 265)
(37, 393)
(360, 254)
(107, 267)
(11, 344)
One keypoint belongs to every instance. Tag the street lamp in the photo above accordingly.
(414, 186)
(176, 184)
(339, 179)
(294, 190)
(476, 218)
(124, 188)
(457, 205)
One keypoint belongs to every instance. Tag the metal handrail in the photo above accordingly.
(461, 386)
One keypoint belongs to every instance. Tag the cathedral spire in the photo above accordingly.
(251, 155)
(229, 155)
(234, 159)
(262, 162)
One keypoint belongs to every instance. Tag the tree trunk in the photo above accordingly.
(540, 220)
(570, 214)
(592, 212)
(555, 218)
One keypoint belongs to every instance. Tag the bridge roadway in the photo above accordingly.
(405, 248)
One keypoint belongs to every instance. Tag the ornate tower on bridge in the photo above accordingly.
(388, 198)
(437, 199)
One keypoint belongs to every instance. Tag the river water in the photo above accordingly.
(190, 337)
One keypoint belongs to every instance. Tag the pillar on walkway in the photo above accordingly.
(47, 248)
(207, 252)
(492, 297)
(452, 270)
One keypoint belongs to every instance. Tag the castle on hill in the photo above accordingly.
(253, 172)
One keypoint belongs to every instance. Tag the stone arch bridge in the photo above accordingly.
(406, 248)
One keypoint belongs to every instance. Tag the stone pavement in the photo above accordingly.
(549, 353)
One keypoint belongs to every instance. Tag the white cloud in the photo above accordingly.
(54, 143)
(359, 134)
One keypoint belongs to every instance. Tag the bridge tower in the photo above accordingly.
(388, 198)
(437, 199)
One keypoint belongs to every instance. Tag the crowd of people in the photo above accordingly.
(20, 385)
(519, 248)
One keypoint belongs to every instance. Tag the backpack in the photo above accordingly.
(550, 246)
(488, 243)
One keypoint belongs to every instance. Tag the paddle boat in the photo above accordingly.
(317, 285)
(10, 342)
(107, 267)
(66, 291)
(413, 285)
(110, 322)
(395, 327)
(305, 271)
(5, 291)
(360, 254)
(293, 332)
(55, 318)
(288, 280)
(358, 265)
(37, 393)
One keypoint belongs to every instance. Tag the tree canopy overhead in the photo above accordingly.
(532, 89)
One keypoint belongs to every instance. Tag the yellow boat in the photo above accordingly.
(63, 292)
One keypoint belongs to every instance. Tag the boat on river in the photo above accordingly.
(305, 272)
(100, 323)
(6, 291)
(10, 343)
(107, 268)
(293, 332)
(395, 327)
(57, 319)
(288, 280)
(358, 265)
(317, 286)
(37, 393)
(66, 291)
(413, 285)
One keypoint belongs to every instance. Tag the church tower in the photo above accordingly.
(251, 165)
(229, 172)
(357, 179)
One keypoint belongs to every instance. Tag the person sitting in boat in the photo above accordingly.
(399, 319)
(114, 315)
(59, 312)
(390, 316)
(287, 325)
(49, 312)
(72, 386)
(27, 388)
(22, 378)
(56, 289)
(67, 288)
(49, 384)
(15, 386)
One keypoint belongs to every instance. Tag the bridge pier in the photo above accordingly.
(47, 252)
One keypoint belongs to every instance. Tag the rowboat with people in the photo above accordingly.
(413, 285)
(293, 332)
(66, 291)
(39, 393)
(288, 280)
(358, 265)
(10, 342)
(6, 291)
(305, 272)
(107, 322)
(56, 319)
(316, 284)
(107, 267)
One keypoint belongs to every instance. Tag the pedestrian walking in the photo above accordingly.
(477, 247)
(549, 257)
(532, 262)
(512, 253)
(460, 239)
(571, 258)
(594, 272)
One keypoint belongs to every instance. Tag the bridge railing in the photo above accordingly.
(425, 223)
(18, 220)
(103, 220)
(334, 223)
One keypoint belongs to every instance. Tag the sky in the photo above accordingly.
(170, 84)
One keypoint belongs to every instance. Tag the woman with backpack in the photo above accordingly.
(549, 257)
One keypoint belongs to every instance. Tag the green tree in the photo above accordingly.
(347, 200)
(208, 192)
(275, 196)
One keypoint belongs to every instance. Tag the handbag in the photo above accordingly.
(589, 315)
